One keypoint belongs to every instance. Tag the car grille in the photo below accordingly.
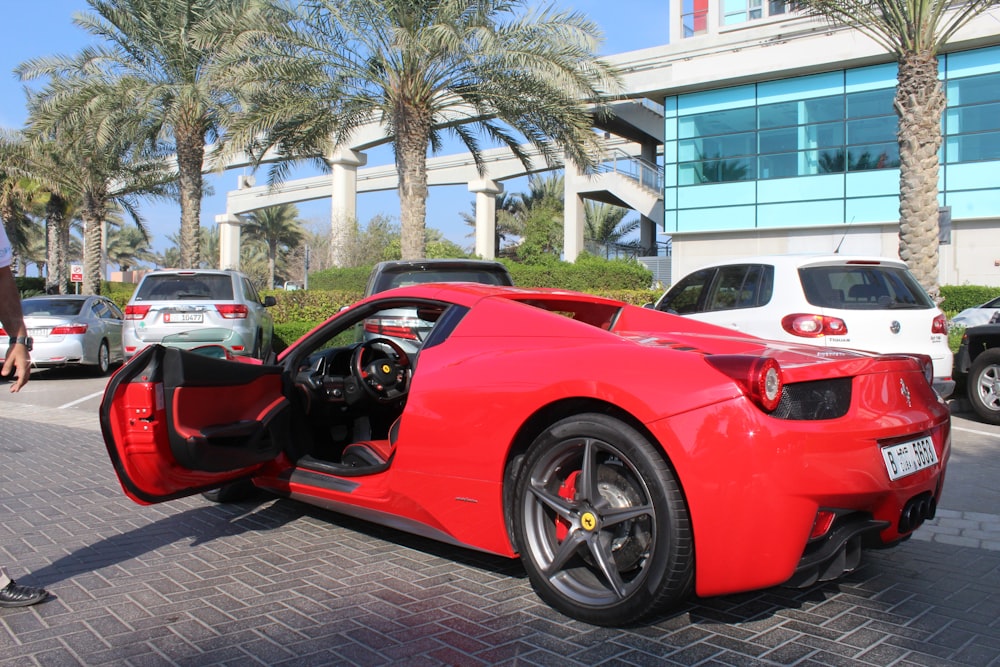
(820, 399)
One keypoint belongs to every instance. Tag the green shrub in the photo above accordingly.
(351, 279)
(956, 298)
(587, 274)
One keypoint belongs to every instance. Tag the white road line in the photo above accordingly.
(974, 431)
(80, 400)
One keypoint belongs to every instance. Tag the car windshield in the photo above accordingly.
(179, 287)
(53, 307)
(391, 280)
(862, 287)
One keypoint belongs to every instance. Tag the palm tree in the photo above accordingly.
(155, 60)
(914, 31)
(606, 227)
(127, 247)
(279, 228)
(422, 67)
(106, 157)
(507, 224)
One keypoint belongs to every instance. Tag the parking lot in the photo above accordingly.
(274, 582)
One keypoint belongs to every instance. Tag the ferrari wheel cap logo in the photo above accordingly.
(588, 521)
(386, 368)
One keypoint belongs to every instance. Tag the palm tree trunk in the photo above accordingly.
(412, 137)
(920, 102)
(55, 251)
(92, 245)
(190, 161)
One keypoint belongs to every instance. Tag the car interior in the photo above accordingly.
(351, 388)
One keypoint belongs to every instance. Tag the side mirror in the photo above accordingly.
(269, 301)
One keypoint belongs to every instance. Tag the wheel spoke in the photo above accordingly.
(567, 549)
(556, 503)
(587, 485)
(613, 516)
(600, 549)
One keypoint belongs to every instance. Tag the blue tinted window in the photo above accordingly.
(801, 112)
(871, 103)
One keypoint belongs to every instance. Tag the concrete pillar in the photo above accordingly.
(486, 215)
(344, 165)
(229, 240)
(575, 217)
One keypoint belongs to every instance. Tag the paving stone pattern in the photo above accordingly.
(275, 582)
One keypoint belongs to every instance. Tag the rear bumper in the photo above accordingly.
(944, 386)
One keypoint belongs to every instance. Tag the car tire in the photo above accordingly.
(232, 493)
(611, 550)
(103, 364)
(983, 387)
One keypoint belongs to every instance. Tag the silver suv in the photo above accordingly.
(191, 308)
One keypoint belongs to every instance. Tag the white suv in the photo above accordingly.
(191, 308)
(863, 303)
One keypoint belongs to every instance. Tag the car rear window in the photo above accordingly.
(862, 287)
(54, 307)
(215, 287)
(392, 280)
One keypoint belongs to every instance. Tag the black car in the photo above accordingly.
(979, 359)
(404, 326)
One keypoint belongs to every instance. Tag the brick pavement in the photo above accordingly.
(274, 582)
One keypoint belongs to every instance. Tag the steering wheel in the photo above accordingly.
(383, 374)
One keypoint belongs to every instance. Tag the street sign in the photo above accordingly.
(76, 273)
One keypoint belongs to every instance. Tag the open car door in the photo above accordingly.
(177, 422)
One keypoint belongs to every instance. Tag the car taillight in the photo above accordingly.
(760, 377)
(813, 326)
(3, 332)
(70, 329)
(136, 312)
(396, 327)
(939, 325)
(822, 523)
(232, 311)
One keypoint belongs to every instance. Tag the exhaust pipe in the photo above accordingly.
(917, 510)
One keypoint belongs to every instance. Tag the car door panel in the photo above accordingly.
(176, 422)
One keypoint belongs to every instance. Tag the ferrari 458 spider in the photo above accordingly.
(629, 457)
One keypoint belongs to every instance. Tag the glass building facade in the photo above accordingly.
(822, 149)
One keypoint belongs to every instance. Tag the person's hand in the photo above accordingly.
(17, 359)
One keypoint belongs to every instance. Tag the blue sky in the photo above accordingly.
(45, 27)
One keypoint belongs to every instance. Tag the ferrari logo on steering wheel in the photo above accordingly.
(386, 368)
(588, 521)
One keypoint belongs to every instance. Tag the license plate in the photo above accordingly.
(909, 457)
(185, 318)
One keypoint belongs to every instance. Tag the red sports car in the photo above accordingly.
(627, 456)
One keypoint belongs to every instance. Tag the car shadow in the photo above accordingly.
(200, 524)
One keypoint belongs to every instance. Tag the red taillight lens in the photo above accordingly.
(813, 326)
(760, 377)
(232, 311)
(3, 332)
(70, 329)
(822, 523)
(136, 312)
(939, 325)
(396, 327)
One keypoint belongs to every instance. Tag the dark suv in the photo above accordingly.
(978, 359)
(402, 325)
